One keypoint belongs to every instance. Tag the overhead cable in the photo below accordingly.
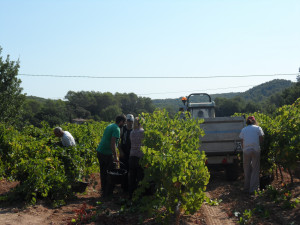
(158, 77)
(202, 90)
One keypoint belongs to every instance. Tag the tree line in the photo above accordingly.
(89, 105)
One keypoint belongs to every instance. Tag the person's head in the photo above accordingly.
(251, 120)
(130, 120)
(121, 120)
(58, 132)
(136, 123)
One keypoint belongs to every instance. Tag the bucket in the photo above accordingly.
(117, 176)
(79, 186)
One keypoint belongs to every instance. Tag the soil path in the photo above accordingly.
(41, 213)
(215, 215)
(16, 214)
(219, 188)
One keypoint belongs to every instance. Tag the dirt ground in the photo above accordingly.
(232, 203)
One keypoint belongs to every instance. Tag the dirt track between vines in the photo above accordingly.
(233, 200)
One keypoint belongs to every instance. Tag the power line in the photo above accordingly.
(174, 92)
(158, 77)
(202, 90)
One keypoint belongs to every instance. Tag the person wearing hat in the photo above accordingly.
(124, 148)
(252, 137)
(66, 138)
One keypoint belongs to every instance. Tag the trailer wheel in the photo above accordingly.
(232, 171)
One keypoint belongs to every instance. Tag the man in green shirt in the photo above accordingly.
(107, 154)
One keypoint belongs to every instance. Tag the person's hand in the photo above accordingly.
(116, 160)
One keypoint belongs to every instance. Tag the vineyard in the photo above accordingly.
(34, 157)
(45, 170)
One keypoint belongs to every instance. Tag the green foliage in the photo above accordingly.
(86, 105)
(246, 217)
(280, 196)
(174, 163)
(286, 132)
(54, 112)
(101, 105)
(44, 169)
(227, 107)
(259, 92)
(11, 98)
(110, 113)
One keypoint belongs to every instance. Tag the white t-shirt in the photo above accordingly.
(250, 134)
(67, 139)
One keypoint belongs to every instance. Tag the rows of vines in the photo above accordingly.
(173, 162)
(46, 170)
(281, 146)
(34, 157)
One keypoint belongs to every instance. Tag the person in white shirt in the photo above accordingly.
(252, 137)
(66, 138)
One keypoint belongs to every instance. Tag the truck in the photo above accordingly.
(221, 142)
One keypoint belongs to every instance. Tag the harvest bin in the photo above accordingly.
(117, 176)
(79, 186)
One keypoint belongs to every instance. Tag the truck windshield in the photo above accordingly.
(198, 98)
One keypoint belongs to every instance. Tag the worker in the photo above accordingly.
(124, 149)
(136, 172)
(107, 153)
(252, 138)
(66, 138)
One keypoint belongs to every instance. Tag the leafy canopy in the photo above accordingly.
(11, 98)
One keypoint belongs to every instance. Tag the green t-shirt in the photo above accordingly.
(110, 131)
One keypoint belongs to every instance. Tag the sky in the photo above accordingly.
(113, 45)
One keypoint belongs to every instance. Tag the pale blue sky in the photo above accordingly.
(150, 38)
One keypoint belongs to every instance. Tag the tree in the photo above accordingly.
(11, 98)
(110, 113)
(54, 112)
(86, 104)
(29, 109)
(290, 95)
(251, 107)
(227, 107)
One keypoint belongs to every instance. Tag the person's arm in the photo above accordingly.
(121, 153)
(242, 142)
(113, 147)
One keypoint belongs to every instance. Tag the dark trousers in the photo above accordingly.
(106, 162)
(125, 165)
(136, 174)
